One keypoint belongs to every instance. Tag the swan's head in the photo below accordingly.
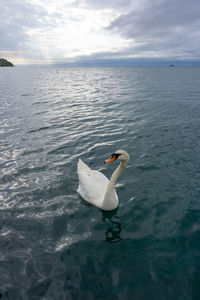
(121, 155)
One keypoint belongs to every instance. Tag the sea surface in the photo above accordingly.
(53, 245)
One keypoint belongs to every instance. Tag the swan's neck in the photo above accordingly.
(110, 195)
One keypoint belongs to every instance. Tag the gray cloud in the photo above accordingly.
(99, 4)
(14, 17)
(161, 26)
(157, 19)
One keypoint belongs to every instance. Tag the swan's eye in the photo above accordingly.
(116, 155)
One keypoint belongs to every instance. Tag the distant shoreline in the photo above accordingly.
(113, 64)
(105, 66)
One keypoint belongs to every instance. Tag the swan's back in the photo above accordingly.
(92, 184)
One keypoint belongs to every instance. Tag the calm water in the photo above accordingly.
(55, 246)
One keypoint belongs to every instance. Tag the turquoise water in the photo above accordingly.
(53, 245)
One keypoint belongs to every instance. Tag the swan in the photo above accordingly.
(95, 188)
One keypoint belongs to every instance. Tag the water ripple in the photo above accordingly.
(53, 244)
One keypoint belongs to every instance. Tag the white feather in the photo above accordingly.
(94, 186)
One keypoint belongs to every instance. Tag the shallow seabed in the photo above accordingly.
(53, 245)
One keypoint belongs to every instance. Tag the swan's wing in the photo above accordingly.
(92, 184)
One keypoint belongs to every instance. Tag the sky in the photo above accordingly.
(100, 32)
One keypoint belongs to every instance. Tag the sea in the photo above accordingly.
(56, 246)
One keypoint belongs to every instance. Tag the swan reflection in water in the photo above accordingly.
(113, 231)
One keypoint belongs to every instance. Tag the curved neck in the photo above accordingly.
(110, 191)
(114, 177)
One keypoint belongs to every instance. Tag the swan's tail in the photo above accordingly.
(82, 169)
(81, 166)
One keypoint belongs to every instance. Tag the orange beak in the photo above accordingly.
(110, 159)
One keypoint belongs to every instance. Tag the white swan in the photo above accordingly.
(95, 188)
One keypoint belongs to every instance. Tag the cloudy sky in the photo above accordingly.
(100, 31)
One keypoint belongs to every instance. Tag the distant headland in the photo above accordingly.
(5, 63)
